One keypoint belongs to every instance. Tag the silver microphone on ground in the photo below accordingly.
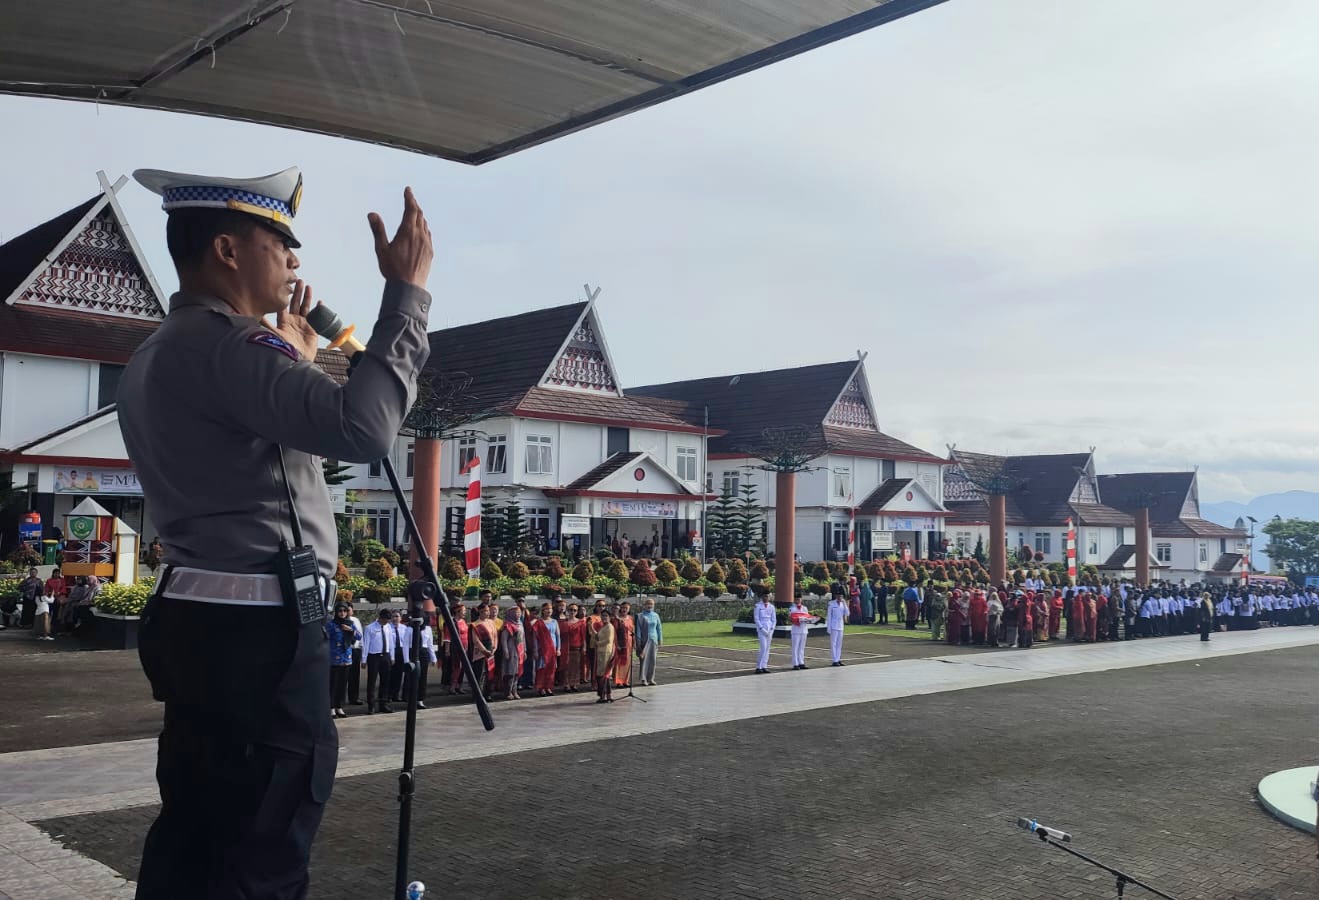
(326, 322)
(1043, 830)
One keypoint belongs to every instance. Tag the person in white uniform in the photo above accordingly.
(766, 618)
(801, 620)
(834, 620)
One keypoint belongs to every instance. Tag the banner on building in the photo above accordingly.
(573, 524)
(639, 509)
(909, 523)
(96, 481)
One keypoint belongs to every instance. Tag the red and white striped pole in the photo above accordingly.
(1071, 553)
(472, 529)
(851, 538)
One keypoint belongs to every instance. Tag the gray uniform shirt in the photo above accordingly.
(207, 398)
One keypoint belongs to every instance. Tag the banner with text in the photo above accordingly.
(96, 481)
(639, 509)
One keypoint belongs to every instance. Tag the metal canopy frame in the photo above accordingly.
(274, 15)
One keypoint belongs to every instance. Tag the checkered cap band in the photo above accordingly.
(211, 195)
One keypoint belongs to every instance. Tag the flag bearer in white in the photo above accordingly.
(766, 618)
(834, 620)
(801, 620)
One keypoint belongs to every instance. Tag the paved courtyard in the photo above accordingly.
(899, 780)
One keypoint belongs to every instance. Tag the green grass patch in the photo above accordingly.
(720, 634)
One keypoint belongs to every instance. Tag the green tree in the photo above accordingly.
(335, 472)
(514, 537)
(980, 555)
(492, 526)
(749, 520)
(1294, 547)
(721, 525)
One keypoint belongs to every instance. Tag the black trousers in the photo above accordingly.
(377, 679)
(396, 669)
(247, 755)
(421, 680)
(338, 686)
(355, 677)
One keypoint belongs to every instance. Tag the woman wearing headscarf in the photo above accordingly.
(512, 652)
(867, 603)
(1040, 613)
(1025, 621)
(547, 650)
(955, 617)
(605, 646)
(979, 612)
(853, 600)
(342, 634)
(1206, 615)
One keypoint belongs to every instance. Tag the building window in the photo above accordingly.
(538, 523)
(107, 384)
(887, 468)
(1204, 552)
(373, 469)
(839, 539)
(842, 483)
(1043, 539)
(1121, 536)
(540, 454)
(731, 483)
(412, 458)
(962, 541)
(466, 452)
(496, 457)
(687, 463)
(371, 523)
(1092, 543)
(1163, 552)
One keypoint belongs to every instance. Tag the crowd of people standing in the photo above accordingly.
(558, 647)
(1021, 615)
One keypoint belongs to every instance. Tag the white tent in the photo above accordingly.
(468, 80)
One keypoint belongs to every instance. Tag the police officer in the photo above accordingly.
(207, 406)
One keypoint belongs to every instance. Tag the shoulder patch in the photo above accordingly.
(275, 342)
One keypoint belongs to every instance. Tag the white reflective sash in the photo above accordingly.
(226, 588)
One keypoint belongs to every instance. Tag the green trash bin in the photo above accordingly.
(49, 549)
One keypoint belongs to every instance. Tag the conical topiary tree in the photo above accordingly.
(691, 569)
(759, 570)
(616, 570)
(715, 574)
(554, 568)
(666, 572)
(491, 571)
(642, 575)
(583, 571)
(737, 571)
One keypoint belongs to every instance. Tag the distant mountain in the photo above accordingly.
(1288, 505)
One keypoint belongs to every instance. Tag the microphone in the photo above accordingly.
(326, 322)
(1043, 830)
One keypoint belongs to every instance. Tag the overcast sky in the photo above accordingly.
(1051, 224)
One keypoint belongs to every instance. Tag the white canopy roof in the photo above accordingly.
(468, 80)
(89, 507)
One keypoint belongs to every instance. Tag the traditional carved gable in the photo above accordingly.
(583, 364)
(851, 410)
(97, 272)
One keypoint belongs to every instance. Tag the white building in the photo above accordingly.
(78, 300)
(561, 438)
(1190, 547)
(1041, 492)
(896, 488)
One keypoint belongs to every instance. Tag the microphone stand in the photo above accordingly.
(427, 587)
(1123, 879)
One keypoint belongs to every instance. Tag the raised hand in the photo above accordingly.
(408, 256)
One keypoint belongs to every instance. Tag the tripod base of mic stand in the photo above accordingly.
(631, 681)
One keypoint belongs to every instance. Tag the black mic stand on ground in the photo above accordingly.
(1123, 879)
(427, 587)
(631, 681)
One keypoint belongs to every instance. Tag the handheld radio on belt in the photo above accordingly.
(298, 570)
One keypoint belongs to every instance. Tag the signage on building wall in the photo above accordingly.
(96, 481)
(639, 509)
(338, 498)
(572, 524)
(908, 523)
(881, 540)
